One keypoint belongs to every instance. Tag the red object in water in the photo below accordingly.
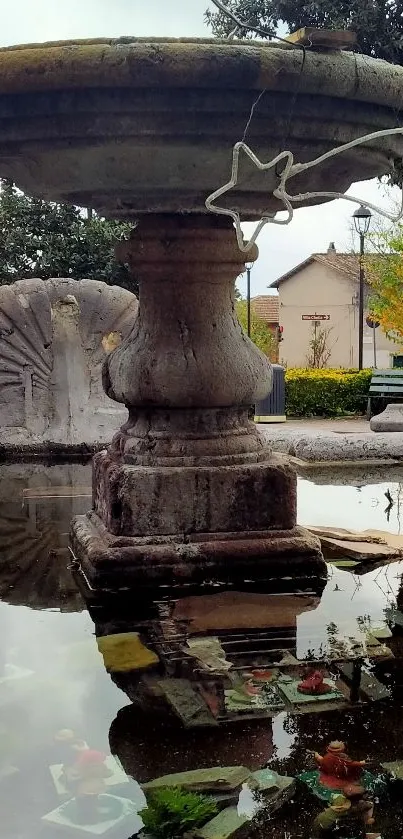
(262, 675)
(90, 756)
(251, 690)
(337, 769)
(314, 685)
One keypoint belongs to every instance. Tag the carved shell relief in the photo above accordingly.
(54, 336)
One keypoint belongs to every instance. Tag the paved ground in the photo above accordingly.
(345, 425)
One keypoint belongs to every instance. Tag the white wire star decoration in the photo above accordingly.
(280, 192)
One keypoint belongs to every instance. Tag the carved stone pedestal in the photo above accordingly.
(188, 491)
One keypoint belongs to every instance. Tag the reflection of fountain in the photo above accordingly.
(148, 745)
(36, 507)
(246, 621)
(359, 475)
(231, 611)
(188, 490)
(206, 659)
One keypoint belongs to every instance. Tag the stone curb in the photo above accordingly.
(332, 447)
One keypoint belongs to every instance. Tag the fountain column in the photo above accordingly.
(188, 490)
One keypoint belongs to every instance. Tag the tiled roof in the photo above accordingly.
(346, 263)
(266, 307)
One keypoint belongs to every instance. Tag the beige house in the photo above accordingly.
(327, 284)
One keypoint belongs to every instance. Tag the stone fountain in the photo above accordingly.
(144, 129)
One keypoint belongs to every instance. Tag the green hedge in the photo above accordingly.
(326, 393)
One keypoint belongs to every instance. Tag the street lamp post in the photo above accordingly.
(362, 220)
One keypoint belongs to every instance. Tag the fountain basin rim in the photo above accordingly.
(126, 40)
(197, 63)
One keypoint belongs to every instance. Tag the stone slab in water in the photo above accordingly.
(227, 825)
(216, 779)
(291, 693)
(365, 546)
(186, 703)
(371, 688)
(394, 768)
(124, 652)
(269, 781)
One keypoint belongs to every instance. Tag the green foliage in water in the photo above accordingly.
(326, 393)
(172, 811)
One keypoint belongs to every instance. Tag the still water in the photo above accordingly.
(56, 693)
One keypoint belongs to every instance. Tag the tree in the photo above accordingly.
(319, 347)
(384, 275)
(260, 332)
(42, 239)
(378, 23)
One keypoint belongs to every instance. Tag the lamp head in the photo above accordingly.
(362, 219)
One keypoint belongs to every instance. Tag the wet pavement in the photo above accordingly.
(199, 679)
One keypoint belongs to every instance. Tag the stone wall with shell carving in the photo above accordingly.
(54, 336)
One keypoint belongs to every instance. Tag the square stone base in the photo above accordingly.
(118, 563)
(160, 501)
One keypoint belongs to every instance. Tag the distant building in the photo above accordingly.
(266, 307)
(327, 284)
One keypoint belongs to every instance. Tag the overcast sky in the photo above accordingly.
(40, 20)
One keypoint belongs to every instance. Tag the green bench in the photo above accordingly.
(386, 385)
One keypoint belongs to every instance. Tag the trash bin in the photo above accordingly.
(272, 409)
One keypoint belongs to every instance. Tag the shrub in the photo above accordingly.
(326, 393)
(172, 811)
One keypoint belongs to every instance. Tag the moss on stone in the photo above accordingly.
(130, 62)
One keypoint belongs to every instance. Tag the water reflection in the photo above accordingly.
(356, 506)
(66, 718)
(36, 506)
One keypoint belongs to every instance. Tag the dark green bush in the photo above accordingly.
(326, 393)
(172, 811)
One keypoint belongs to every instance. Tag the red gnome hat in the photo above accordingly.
(89, 757)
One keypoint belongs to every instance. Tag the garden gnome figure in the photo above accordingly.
(327, 822)
(337, 769)
(361, 805)
(84, 769)
(70, 746)
(348, 815)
